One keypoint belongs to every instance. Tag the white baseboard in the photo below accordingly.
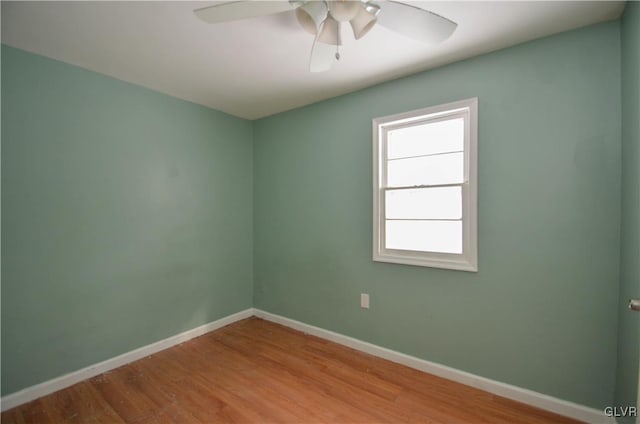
(43, 389)
(539, 400)
(549, 403)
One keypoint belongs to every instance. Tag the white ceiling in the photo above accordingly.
(258, 67)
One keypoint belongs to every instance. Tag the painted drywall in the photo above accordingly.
(541, 312)
(629, 322)
(126, 217)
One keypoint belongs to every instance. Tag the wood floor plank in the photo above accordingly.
(301, 390)
(13, 416)
(32, 412)
(255, 371)
(207, 402)
(274, 356)
(350, 375)
(165, 405)
(130, 404)
(247, 374)
(236, 391)
(304, 392)
(80, 403)
(201, 401)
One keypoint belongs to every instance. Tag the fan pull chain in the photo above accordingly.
(338, 40)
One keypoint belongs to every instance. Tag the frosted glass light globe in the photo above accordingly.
(344, 10)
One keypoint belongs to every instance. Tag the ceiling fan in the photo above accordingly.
(323, 19)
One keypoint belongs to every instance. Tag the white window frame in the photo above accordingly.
(468, 260)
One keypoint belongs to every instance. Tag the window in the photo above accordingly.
(425, 187)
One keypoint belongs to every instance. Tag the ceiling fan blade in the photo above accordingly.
(235, 10)
(322, 55)
(414, 22)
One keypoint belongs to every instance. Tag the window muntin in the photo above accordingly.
(425, 187)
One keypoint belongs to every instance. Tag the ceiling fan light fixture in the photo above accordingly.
(305, 21)
(311, 15)
(362, 23)
(344, 10)
(330, 33)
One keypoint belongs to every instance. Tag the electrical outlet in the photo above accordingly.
(364, 300)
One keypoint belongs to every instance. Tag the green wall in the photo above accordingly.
(629, 322)
(126, 217)
(542, 311)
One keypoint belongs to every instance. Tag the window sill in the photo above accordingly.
(455, 262)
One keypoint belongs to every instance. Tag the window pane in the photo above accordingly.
(424, 236)
(427, 170)
(424, 203)
(426, 139)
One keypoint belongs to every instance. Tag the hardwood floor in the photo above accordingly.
(257, 371)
